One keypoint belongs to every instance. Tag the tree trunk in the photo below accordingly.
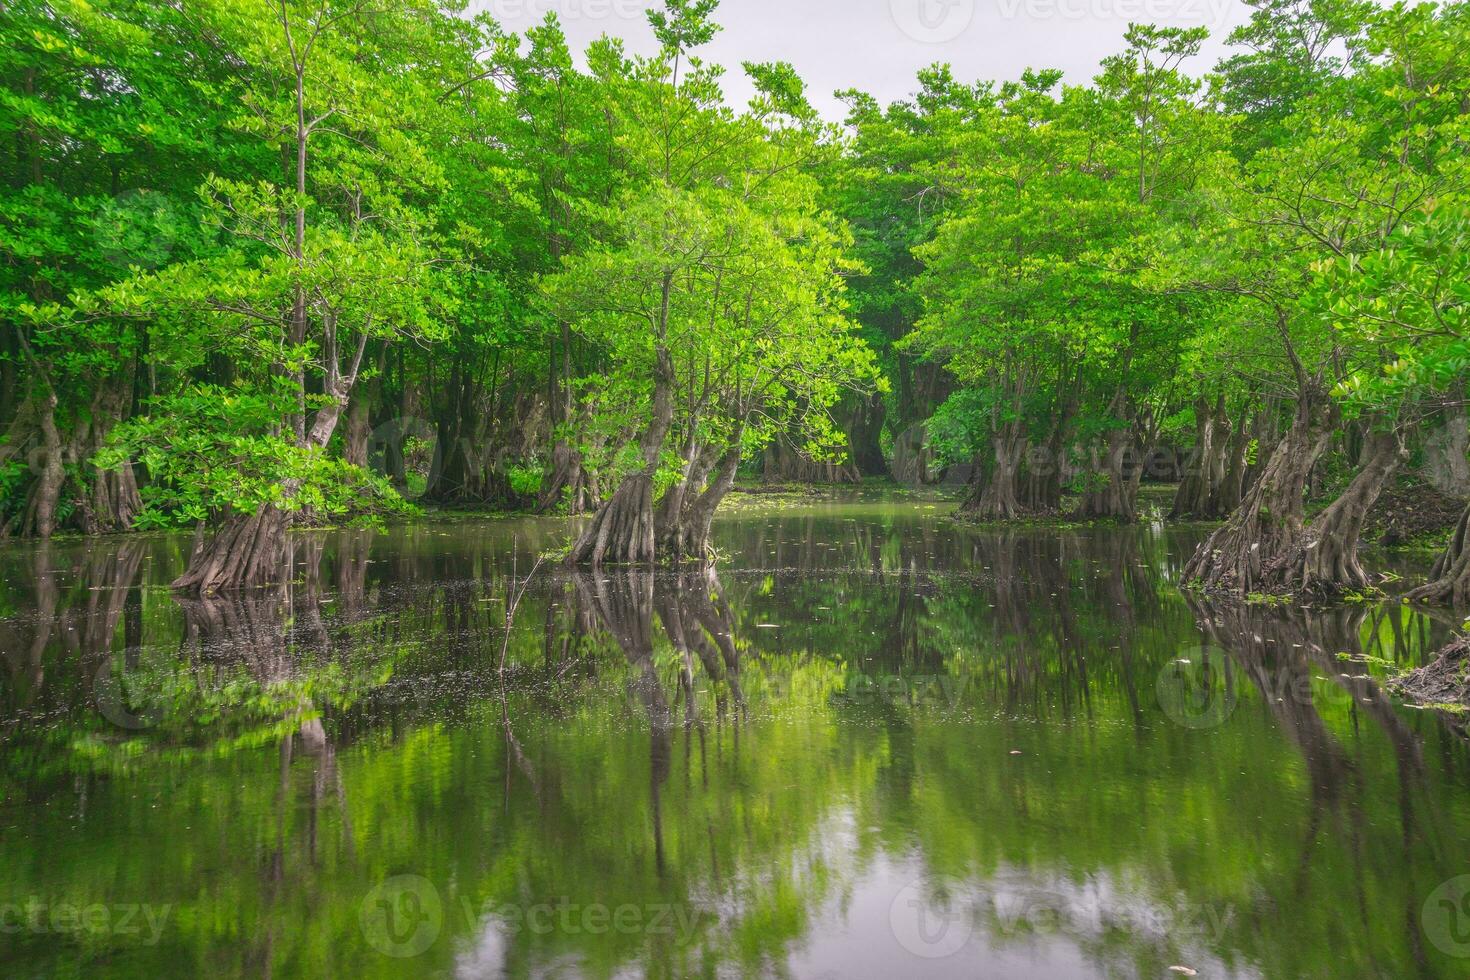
(1326, 561)
(622, 530)
(1231, 490)
(784, 463)
(863, 436)
(1042, 493)
(566, 481)
(46, 495)
(359, 430)
(1449, 579)
(1266, 529)
(247, 551)
(687, 537)
(1111, 487)
(1446, 466)
(1196, 496)
(250, 550)
(993, 495)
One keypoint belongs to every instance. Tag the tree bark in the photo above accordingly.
(687, 538)
(1449, 579)
(1265, 530)
(783, 463)
(1446, 465)
(1326, 561)
(863, 434)
(1197, 496)
(1110, 484)
(622, 530)
(993, 490)
(46, 496)
(247, 551)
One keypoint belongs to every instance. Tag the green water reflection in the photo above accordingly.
(870, 744)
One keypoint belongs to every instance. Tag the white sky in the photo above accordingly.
(879, 45)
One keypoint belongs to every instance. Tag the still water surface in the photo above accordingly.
(871, 744)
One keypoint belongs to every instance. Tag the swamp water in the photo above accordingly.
(869, 744)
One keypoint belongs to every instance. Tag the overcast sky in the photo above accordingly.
(879, 45)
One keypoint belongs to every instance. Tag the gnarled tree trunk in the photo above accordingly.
(622, 530)
(1326, 561)
(248, 550)
(1246, 553)
(1449, 579)
(1196, 496)
(993, 490)
(567, 481)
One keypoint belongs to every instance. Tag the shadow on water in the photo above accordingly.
(869, 744)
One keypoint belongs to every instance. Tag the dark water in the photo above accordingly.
(871, 745)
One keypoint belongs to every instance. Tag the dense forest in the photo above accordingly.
(312, 262)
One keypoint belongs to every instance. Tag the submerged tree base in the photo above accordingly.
(248, 551)
(622, 530)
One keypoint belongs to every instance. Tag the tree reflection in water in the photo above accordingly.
(779, 749)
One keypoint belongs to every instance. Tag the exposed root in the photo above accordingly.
(246, 552)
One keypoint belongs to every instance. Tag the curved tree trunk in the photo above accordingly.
(247, 551)
(699, 513)
(1266, 529)
(1326, 561)
(1449, 579)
